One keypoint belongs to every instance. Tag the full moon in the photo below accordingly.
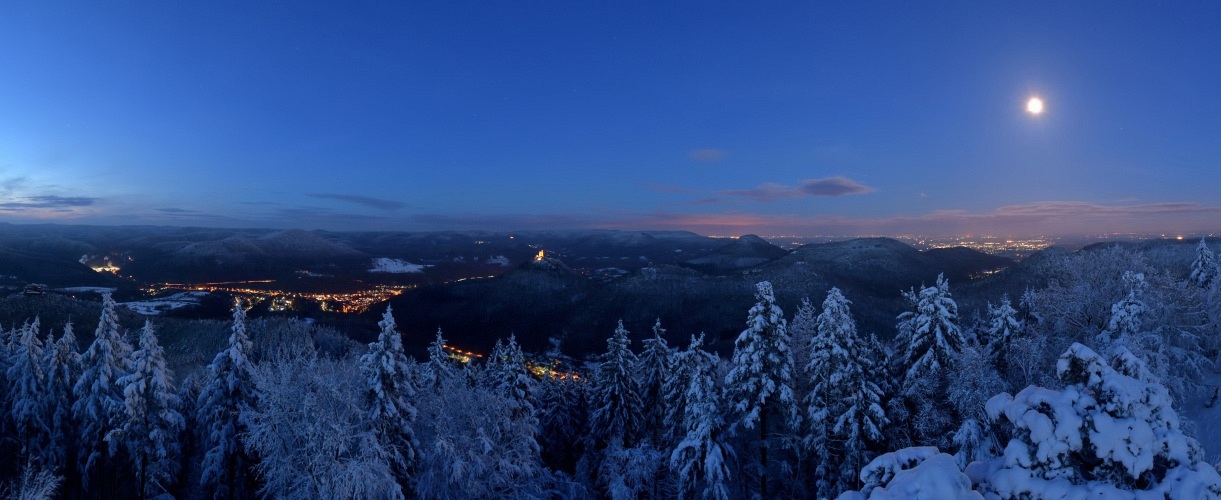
(1034, 106)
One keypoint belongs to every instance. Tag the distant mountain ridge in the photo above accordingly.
(872, 272)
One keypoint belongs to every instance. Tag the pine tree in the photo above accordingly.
(228, 390)
(439, 366)
(615, 405)
(509, 377)
(930, 330)
(99, 398)
(152, 424)
(675, 389)
(654, 369)
(390, 394)
(1003, 326)
(27, 392)
(844, 407)
(861, 418)
(562, 415)
(63, 369)
(1125, 322)
(702, 457)
(802, 329)
(834, 330)
(1204, 269)
(760, 383)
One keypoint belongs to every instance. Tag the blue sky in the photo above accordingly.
(721, 118)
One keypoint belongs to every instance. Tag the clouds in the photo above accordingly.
(830, 186)
(367, 201)
(44, 202)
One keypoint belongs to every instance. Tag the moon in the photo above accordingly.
(1034, 106)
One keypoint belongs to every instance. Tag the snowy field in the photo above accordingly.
(396, 266)
(86, 289)
(500, 260)
(154, 307)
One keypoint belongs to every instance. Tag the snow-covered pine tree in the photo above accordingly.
(675, 389)
(27, 393)
(152, 423)
(929, 341)
(63, 369)
(802, 329)
(1003, 326)
(857, 419)
(829, 344)
(976, 382)
(228, 390)
(439, 364)
(931, 330)
(615, 407)
(390, 393)
(312, 434)
(1204, 269)
(844, 409)
(510, 378)
(702, 458)
(654, 369)
(99, 398)
(1125, 322)
(562, 415)
(759, 386)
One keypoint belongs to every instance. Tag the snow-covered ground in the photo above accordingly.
(154, 307)
(397, 266)
(1207, 420)
(499, 259)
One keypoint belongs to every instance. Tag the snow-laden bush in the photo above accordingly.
(1110, 432)
(920, 472)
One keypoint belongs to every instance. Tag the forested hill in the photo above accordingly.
(536, 302)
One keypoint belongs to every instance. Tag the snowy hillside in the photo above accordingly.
(396, 266)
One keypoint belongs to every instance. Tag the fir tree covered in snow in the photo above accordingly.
(1204, 269)
(27, 393)
(312, 434)
(702, 459)
(152, 423)
(509, 377)
(843, 411)
(99, 397)
(562, 415)
(929, 333)
(759, 386)
(802, 329)
(682, 363)
(389, 392)
(439, 365)
(1003, 326)
(615, 406)
(228, 390)
(1125, 323)
(63, 368)
(654, 369)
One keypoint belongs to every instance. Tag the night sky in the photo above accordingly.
(810, 118)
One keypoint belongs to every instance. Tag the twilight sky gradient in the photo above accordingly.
(722, 118)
